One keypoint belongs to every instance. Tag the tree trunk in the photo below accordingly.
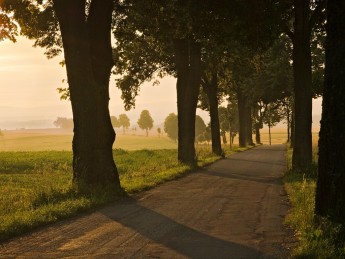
(188, 66)
(269, 133)
(88, 57)
(242, 133)
(224, 137)
(249, 125)
(302, 153)
(257, 133)
(330, 191)
(292, 138)
(211, 91)
(288, 123)
(147, 132)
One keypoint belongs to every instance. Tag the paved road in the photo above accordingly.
(233, 209)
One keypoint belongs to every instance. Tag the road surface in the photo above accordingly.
(232, 209)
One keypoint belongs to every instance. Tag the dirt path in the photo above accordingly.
(233, 209)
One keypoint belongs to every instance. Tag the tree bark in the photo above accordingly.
(249, 126)
(257, 133)
(288, 123)
(242, 133)
(330, 191)
(211, 92)
(302, 153)
(88, 56)
(188, 66)
(292, 138)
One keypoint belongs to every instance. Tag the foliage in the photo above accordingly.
(318, 238)
(206, 135)
(145, 121)
(115, 122)
(124, 122)
(171, 126)
(272, 116)
(8, 28)
(63, 123)
(200, 126)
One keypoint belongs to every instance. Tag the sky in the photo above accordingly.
(29, 99)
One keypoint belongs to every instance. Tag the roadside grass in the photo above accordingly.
(318, 238)
(36, 187)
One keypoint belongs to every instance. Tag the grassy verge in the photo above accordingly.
(36, 189)
(318, 238)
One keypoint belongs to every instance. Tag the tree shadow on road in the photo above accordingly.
(170, 234)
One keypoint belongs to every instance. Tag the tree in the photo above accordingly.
(114, 122)
(159, 131)
(171, 126)
(306, 15)
(272, 81)
(207, 134)
(200, 126)
(175, 42)
(83, 30)
(63, 123)
(124, 122)
(145, 121)
(330, 192)
(210, 87)
(224, 122)
(272, 118)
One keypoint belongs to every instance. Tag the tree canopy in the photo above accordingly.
(145, 121)
(171, 126)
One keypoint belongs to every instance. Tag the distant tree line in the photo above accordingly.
(63, 123)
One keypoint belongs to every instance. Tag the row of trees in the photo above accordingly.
(238, 50)
(145, 122)
(219, 48)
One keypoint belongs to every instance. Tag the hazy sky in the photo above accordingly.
(28, 95)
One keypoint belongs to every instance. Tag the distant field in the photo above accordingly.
(54, 139)
(58, 140)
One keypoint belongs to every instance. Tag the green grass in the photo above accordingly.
(36, 187)
(318, 238)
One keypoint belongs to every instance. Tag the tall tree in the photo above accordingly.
(145, 121)
(210, 86)
(200, 126)
(124, 122)
(330, 191)
(83, 29)
(171, 126)
(188, 70)
(306, 14)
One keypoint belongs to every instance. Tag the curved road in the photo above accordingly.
(233, 209)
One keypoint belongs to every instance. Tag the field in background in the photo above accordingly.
(56, 139)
